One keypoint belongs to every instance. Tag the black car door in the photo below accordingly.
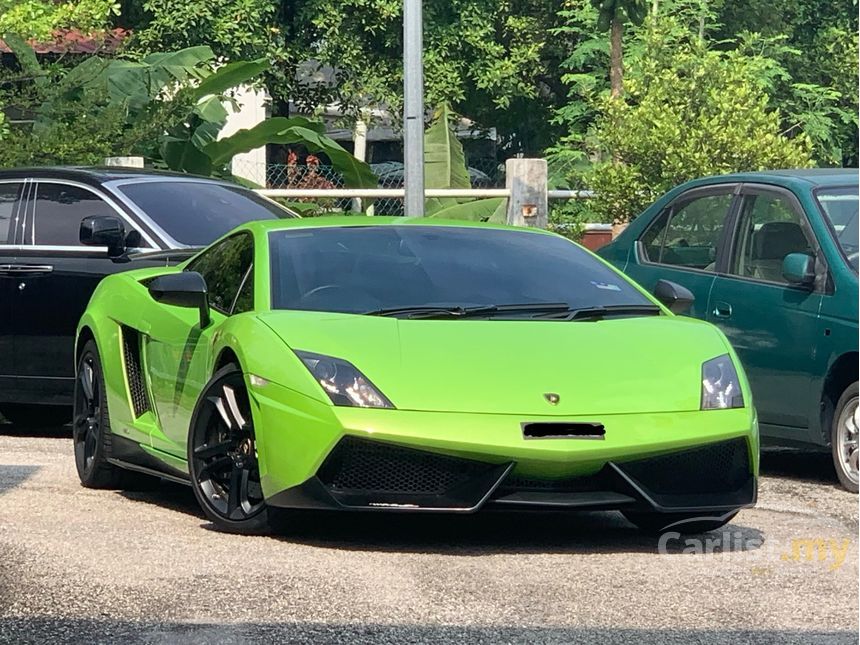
(55, 278)
(11, 223)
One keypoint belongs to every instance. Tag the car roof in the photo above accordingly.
(98, 174)
(799, 177)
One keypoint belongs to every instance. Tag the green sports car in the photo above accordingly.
(406, 365)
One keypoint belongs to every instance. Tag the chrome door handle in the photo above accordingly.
(722, 310)
(17, 269)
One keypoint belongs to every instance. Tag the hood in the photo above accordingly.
(631, 365)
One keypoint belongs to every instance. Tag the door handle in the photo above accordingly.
(722, 310)
(18, 269)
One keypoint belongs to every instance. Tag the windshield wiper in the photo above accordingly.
(431, 311)
(604, 311)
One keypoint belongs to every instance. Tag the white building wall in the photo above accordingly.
(252, 110)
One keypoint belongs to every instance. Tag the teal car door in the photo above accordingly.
(773, 326)
(683, 243)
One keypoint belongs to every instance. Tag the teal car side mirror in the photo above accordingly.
(678, 299)
(799, 269)
(185, 289)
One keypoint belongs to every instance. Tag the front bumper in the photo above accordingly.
(314, 455)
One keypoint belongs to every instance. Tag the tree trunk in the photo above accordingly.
(616, 64)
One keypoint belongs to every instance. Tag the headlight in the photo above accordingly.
(721, 387)
(343, 383)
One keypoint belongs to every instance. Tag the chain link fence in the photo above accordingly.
(484, 173)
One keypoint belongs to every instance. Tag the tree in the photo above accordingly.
(39, 19)
(167, 106)
(491, 60)
(612, 14)
(690, 111)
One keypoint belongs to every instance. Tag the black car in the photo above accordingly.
(61, 231)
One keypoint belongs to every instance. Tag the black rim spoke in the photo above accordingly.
(233, 498)
(86, 378)
(215, 466)
(206, 450)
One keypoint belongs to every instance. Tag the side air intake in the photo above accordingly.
(134, 371)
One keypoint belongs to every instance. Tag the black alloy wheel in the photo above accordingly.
(222, 456)
(91, 425)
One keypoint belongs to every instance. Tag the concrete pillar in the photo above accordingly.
(526, 179)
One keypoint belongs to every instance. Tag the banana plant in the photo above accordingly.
(445, 167)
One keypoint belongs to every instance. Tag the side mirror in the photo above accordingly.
(677, 298)
(185, 289)
(104, 230)
(799, 269)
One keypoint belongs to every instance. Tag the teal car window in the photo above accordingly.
(360, 269)
(840, 206)
(769, 228)
(224, 267)
(687, 234)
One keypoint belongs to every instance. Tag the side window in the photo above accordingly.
(769, 228)
(687, 233)
(58, 213)
(9, 203)
(224, 267)
(245, 298)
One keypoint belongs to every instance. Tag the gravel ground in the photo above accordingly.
(78, 565)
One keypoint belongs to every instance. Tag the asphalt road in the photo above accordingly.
(78, 565)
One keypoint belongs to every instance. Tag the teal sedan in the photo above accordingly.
(771, 258)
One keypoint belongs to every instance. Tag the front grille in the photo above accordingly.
(357, 465)
(714, 468)
(134, 371)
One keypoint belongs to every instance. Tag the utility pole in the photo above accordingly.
(413, 107)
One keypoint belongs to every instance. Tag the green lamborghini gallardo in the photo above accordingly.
(407, 365)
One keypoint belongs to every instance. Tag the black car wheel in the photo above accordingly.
(90, 424)
(222, 457)
(685, 523)
(844, 438)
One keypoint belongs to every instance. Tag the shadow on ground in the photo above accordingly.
(466, 535)
(816, 467)
(72, 630)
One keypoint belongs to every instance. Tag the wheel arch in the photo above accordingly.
(85, 334)
(841, 374)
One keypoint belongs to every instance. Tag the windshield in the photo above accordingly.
(379, 268)
(840, 207)
(197, 213)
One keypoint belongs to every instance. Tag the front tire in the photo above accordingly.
(844, 437)
(685, 523)
(222, 457)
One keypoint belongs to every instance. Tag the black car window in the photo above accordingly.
(687, 233)
(197, 213)
(357, 269)
(245, 298)
(9, 203)
(224, 267)
(59, 209)
(769, 228)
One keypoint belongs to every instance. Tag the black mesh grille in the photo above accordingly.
(136, 386)
(715, 468)
(359, 465)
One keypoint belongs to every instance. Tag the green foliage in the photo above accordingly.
(491, 60)
(40, 18)
(690, 112)
(444, 160)
(166, 106)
